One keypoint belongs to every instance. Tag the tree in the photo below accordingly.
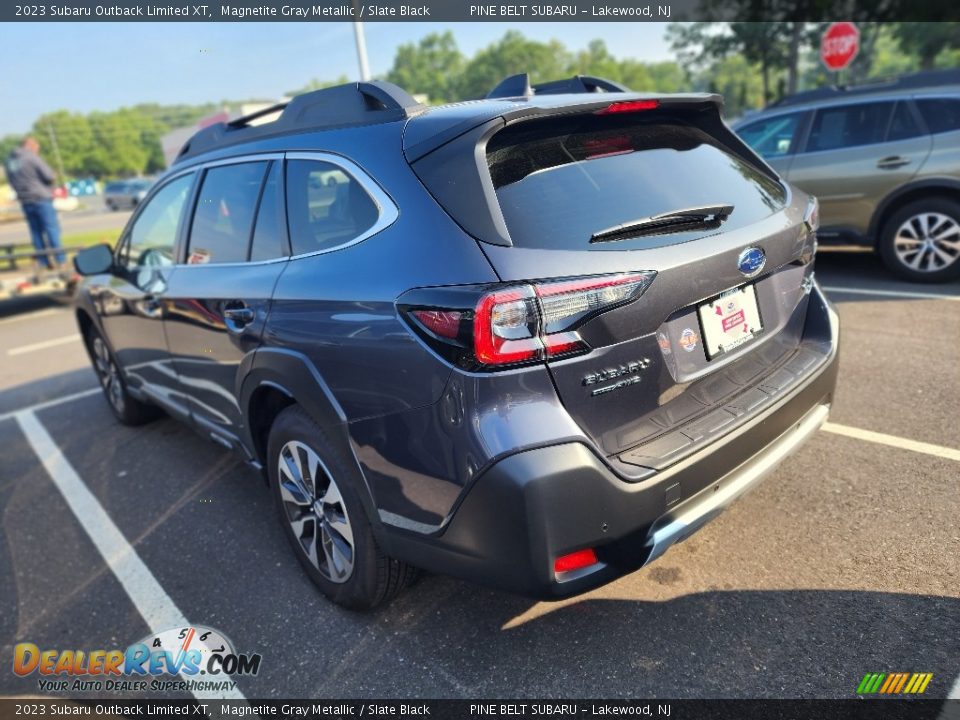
(431, 67)
(510, 55)
(926, 40)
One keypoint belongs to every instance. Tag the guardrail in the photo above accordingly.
(12, 257)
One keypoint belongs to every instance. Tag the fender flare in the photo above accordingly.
(947, 183)
(294, 374)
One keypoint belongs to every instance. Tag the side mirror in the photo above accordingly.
(94, 260)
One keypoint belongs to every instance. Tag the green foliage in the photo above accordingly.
(784, 56)
(431, 67)
(435, 66)
(927, 40)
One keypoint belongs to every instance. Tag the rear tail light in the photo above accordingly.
(513, 325)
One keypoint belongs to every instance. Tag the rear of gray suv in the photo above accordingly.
(531, 341)
(884, 164)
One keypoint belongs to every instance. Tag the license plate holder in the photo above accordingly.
(730, 320)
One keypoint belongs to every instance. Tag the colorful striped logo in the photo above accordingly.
(894, 683)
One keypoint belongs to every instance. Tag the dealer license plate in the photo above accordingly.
(730, 320)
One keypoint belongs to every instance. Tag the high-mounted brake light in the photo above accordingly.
(521, 323)
(628, 106)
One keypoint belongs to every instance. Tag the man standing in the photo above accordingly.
(33, 181)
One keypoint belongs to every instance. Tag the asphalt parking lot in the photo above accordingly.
(845, 561)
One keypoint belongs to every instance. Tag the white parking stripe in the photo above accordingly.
(891, 293)
(893, 441)
(148, 596)
(51, 403)
(43, 345)
(35, 314)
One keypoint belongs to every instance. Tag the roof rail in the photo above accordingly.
(913, 81)
(519, 86)
(363, 103)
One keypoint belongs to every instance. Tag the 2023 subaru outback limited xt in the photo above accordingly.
(530, 341)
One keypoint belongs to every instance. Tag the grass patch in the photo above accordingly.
(92, 237)
(84, 239)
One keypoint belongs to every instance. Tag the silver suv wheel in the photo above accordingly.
(928, 242)
(316, 512)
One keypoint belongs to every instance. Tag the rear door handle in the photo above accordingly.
(893, 162)
(240, 316)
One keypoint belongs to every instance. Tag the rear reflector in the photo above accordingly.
(575, 561)
(629, 107)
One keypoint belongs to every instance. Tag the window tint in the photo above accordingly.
(849, 126)
(903, 125)
(224, 216)
(326, 207)
(559, 181)
(772, 137)
(268, 240)
(941, 114)
(155, 231)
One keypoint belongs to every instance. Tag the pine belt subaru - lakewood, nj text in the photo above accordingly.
(530, 341)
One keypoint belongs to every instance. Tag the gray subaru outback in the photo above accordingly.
(531, 341)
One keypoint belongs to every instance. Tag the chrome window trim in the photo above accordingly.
(387, 209)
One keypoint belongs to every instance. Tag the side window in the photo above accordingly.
(154, 234)
(773, 137)
(903, 125)
(326, 206)
(268, 239)
(941, 114)
(220, 232)
(849, 126)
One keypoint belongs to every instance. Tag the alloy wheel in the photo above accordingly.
(928, 242)
(108, 374)
(316, 512)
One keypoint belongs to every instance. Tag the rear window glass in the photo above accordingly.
(941, 114)
(560, 182)
(326, 207)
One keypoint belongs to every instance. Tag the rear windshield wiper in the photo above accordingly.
(706, 217)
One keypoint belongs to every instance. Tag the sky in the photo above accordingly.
(103, 66)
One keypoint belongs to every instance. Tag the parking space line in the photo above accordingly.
(149, 598)
(51, 403)
(893, 441)
(35, 314)
(891, 293)
(43, 345)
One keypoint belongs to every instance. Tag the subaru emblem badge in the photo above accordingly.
(751, 261)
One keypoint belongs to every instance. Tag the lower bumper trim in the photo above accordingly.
(697, 511)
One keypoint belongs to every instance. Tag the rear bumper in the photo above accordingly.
(531, 507)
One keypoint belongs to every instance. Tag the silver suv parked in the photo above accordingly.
(884, 162)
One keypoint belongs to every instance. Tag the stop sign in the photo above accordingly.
(839, 45)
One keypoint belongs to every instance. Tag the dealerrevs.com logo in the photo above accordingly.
(203, 658)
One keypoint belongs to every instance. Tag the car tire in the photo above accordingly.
(324, 519)
(111, 207)
(920, 242)
(125, 408)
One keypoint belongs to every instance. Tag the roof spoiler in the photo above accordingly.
(362, 103)
(519, 86)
